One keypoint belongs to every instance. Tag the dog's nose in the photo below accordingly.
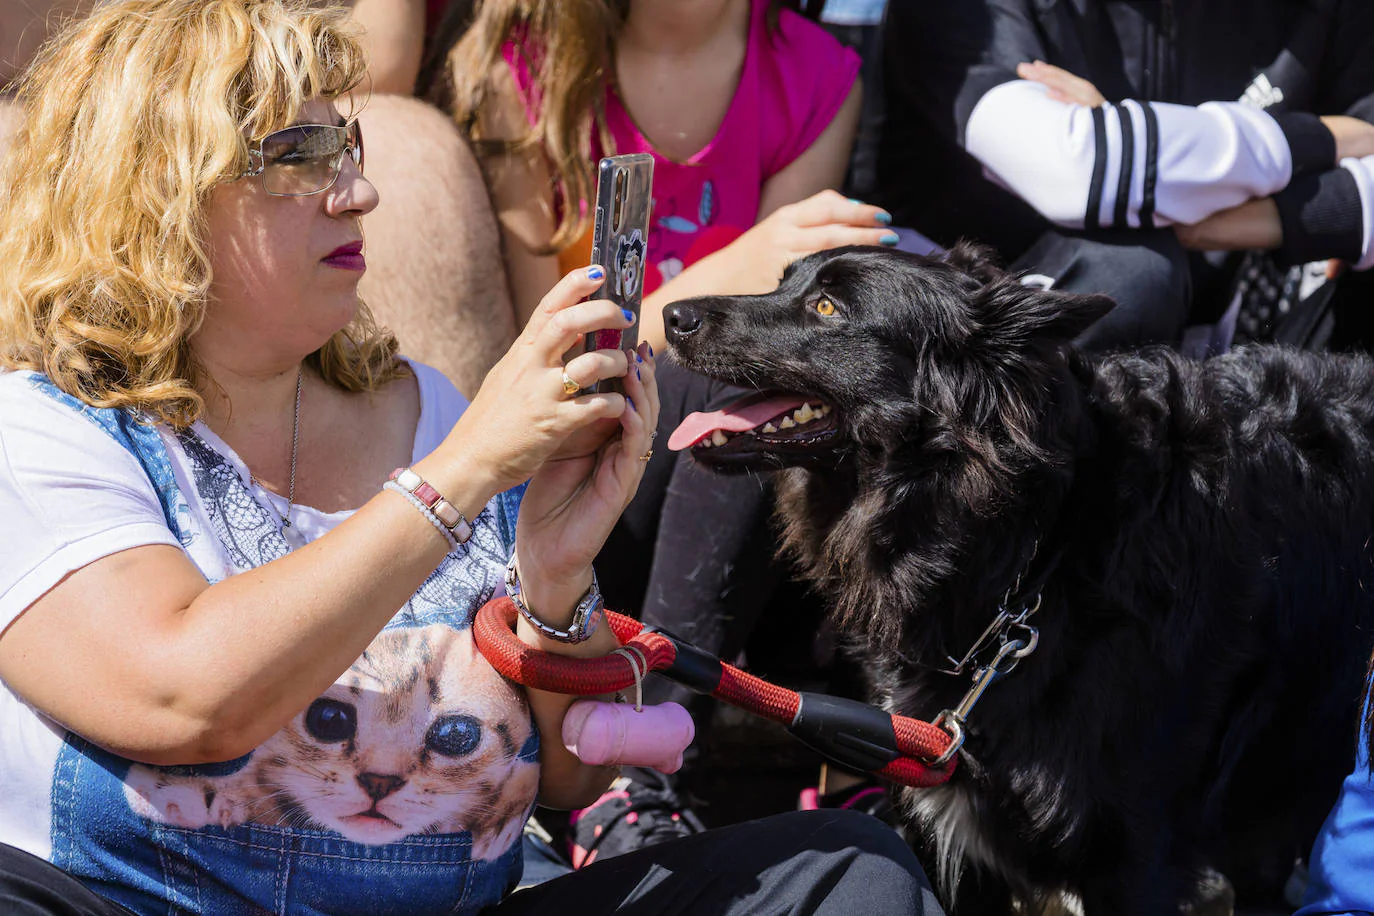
(680, 320)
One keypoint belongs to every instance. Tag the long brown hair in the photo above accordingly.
(569, 48)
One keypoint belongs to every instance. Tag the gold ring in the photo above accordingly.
(647, 455)
(570, 387)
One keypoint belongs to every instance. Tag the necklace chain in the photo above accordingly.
(295, 447)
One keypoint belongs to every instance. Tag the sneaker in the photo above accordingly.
(633, 813)
(868, 797)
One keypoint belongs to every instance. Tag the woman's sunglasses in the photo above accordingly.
(305, 158)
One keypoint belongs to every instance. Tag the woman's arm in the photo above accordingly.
(565, 515)
(822, 165)
(138, 654)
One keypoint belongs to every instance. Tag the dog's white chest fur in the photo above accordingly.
(946, 814)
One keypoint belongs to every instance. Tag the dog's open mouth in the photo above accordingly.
(791, 427)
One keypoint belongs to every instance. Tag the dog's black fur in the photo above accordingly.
(1200, 533)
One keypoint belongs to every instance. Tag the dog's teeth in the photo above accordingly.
(717, 437)
(787, 423)
(823, 411)
(805, 414)
(769, 428)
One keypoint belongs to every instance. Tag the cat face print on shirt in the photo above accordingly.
(420, 736)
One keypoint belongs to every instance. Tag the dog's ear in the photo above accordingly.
(1010, 310)
(975, 260)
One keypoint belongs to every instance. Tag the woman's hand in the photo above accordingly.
(574, 500)
(755, 261)
(1063, 85)
(522, 415)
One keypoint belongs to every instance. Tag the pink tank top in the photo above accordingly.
(793, 83)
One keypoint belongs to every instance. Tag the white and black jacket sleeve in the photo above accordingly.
(1138, 164)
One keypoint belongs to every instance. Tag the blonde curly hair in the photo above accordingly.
(131, 117)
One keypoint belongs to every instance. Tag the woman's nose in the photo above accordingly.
(352, 194)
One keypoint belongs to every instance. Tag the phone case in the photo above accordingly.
(620, 241)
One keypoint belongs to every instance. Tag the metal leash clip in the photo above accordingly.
(1009, 655)
(1001, 625)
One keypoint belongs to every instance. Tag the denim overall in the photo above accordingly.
(152, 867)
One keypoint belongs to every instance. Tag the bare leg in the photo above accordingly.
(435, 274)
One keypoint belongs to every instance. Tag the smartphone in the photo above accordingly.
(620, 245)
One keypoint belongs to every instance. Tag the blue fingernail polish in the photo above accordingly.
(629, 315)
(638, 358)
(637, 375)
(595, 273)
(631, 402)
(651, 349)
(855, 200)
(889, 239)
(882, 216)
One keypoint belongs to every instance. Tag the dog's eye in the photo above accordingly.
(825, 307)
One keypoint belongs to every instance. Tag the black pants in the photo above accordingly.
(1147, 273)
(31, 887)
(824, 862)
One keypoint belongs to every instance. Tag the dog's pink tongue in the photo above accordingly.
(745, 413)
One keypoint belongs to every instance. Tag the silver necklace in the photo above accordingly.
(289, 532)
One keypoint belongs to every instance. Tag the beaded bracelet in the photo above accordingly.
(433, 519)
(434, 503)
(587, 615)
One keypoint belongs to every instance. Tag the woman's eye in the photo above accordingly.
(825, 307)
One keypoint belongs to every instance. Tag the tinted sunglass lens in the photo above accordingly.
(302, 160)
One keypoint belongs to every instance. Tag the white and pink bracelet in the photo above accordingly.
(442, 514)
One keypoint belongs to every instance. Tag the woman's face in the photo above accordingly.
(284, 276)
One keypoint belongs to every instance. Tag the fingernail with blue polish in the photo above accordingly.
(637, 375)
(629, 315)
(638, 357)
(889, 239)
(631, 402)
(651, 349)
(855, 200)
(595, 273)
(882, 216)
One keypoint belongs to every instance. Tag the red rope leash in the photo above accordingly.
(494, 633)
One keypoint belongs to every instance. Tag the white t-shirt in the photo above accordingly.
(403, 788)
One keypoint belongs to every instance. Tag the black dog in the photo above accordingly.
(1197, 535)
